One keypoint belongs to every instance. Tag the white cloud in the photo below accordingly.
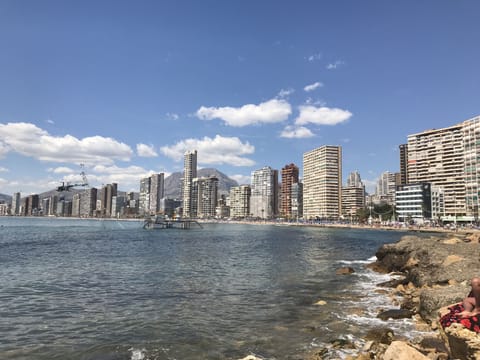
(285, 92)
(296, 132)
(321, 115)
(146, 150)
(50, 121)
(241, 179)
(172, 116)
(314, 57)
(62, 170)
(2, 169)
(29, 140)
(271, 111)
(219, 150)
(335, 65)
(313, 86)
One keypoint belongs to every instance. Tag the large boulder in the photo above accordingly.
(463, 343)
(399, 350)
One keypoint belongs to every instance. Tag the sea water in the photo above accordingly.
(108, 290)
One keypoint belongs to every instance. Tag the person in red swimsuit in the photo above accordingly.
(467, 312)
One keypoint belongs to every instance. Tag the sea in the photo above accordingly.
(111, 290)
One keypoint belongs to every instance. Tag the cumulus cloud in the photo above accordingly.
(296, 132)
(321, 115)
(144, 150)
(313, 86)
(272, 111)
(29, 140)
(2, 169)
(219, 150)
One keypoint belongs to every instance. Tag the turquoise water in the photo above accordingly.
(89, 289)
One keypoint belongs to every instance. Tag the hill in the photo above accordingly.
(5, 198)
(173, 183)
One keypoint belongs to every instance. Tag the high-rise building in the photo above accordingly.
(240, 202)
(289, 177)
(264, 193)
(76, 205)
(204, 197)
(385, 190)
(447, 159)
(297, 200)
(353, 195)
(16, 203)
(403, 149)
(322, 182)
(33, 205)
(88, 202)
(189, 173)
(157, 190)
(144, 197)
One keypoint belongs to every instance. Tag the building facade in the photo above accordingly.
(414, 203)
(189, 173)
(264, 193)
(204, 197)
(240, 202)
(289, 177)
(322, 183)
(447, 159)
(353, 196)
(157, 191)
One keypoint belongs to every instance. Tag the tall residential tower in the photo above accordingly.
(322, 182)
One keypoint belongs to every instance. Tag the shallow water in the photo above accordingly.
(89, 289)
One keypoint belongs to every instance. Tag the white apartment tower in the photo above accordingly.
(264, 196)
(204, 196)
(322, 182)
(353, 195)
(189, 173)
(447, 159)
(240, 202)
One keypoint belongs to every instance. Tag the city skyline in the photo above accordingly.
(126, 89)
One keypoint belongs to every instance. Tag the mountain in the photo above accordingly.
(173, 183)
(5, 199)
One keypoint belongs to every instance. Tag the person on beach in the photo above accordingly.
(467, 312)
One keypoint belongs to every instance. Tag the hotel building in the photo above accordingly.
(240, 202)
(322, 183)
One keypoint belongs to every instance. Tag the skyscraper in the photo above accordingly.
(157, 190)
(264, 195)
(144, 196)
(189, 173)
(403, 149)
(240, 202)
(16, 203)
(289, 177)
(447, 159)
(353, 195)
(322, 182)
(204, 197)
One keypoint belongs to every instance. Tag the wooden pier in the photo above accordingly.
(162, 223)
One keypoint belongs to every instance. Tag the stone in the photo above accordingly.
(380, 335)
(395, 314)
(347, 270)
(463, 343)
(450, 260)
(321, 302)
(399, 350)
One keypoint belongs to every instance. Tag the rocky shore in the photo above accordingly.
(434, 272)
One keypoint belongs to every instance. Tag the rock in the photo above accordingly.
(251, 357)
(321, 302)
(432, 299)
(453, 240)
(380, 335)
(399, 350)
(395, 314)
(463, 343)
(451, 259)
(347, 270)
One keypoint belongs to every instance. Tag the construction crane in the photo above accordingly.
(67, 186)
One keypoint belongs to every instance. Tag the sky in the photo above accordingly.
(126, 87)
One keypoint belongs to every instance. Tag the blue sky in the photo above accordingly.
(125, 87)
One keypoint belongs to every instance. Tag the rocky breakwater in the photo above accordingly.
(435, 272)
